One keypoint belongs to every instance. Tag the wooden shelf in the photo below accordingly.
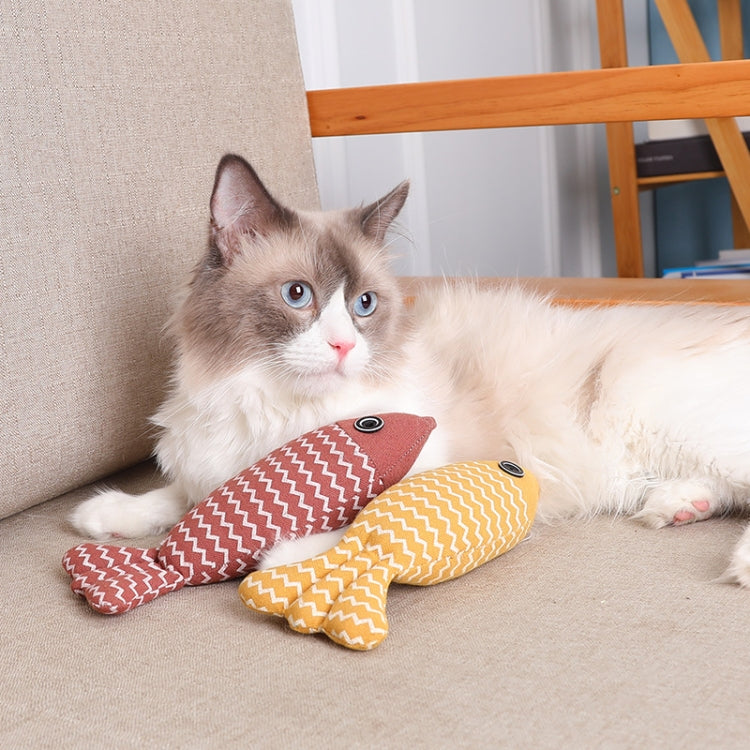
(649, 183)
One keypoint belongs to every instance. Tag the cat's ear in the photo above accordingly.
(240, 205)
(377, 217)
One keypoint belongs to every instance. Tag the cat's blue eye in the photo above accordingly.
(365, 304)
(297, 294)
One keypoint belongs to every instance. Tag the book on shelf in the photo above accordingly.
(738, 255)
(714, 269)
(680, 146)
(678, 156)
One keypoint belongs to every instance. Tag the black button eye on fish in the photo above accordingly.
(369, 424)
(510, 468)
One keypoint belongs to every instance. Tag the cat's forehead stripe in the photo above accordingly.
(337, 265)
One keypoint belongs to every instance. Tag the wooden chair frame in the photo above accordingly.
(613, 95)
(725, 134)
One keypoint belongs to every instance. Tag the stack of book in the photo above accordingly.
(731, 264)
(683, 147)
(680, 147)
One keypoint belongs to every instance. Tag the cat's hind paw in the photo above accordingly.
(676, 503)
(739, 567)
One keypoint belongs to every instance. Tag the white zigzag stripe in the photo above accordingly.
(330, 444)
(255, 509)
(241, 522)
(218, 520)
(226, 521)
(265, 517)
(419, 494)
(364, 461)
(357, 640)
(352, 618)
(317, 489)
(286, 484)
(286, 580)
(310, 599)
(313, 613)
(360, 601)
(262, 592)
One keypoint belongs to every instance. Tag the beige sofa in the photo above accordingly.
(113, 116)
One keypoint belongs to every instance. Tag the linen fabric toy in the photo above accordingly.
(315, 483)
(426, 529)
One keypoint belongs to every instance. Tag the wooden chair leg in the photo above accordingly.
(623, 183)
(626, 212)
(740, 232)
(730, 29)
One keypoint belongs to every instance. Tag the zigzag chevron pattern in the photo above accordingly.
(317, 482)
(426, 529)
(116, 579)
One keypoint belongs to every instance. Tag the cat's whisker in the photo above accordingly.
(303, 230)
(398, 231)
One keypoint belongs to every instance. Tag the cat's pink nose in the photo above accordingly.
(342, 348)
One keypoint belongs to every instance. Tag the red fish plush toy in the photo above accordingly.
(318, 482)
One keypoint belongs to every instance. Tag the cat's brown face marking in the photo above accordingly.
(237, 311)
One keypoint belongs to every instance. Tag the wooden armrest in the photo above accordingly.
(695, 90)
(592, 291)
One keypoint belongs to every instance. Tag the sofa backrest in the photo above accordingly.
(113, 117)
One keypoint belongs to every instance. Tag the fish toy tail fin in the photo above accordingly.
(357, 619)
(116, 579)
(341, 593)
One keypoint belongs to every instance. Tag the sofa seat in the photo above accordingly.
(593, 634)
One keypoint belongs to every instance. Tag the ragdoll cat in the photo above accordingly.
(292, 320)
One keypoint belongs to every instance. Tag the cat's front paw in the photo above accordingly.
(104, 516)
(113, 514)
(676, 503)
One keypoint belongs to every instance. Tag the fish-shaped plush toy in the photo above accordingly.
(426, 529)
(315, 483)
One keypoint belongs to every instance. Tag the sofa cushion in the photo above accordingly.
(601, 634)
(112, 119)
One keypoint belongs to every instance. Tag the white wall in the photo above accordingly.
(527, 202)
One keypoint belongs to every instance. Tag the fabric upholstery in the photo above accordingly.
(589, 635)
(113, 117)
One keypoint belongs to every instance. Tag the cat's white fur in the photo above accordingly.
(214, 429)
(628, 409)
(662, 423)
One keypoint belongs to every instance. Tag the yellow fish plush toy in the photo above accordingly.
(426, 529)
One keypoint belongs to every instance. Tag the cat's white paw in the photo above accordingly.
(113, 514)
(676, 503)
(289, 551)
